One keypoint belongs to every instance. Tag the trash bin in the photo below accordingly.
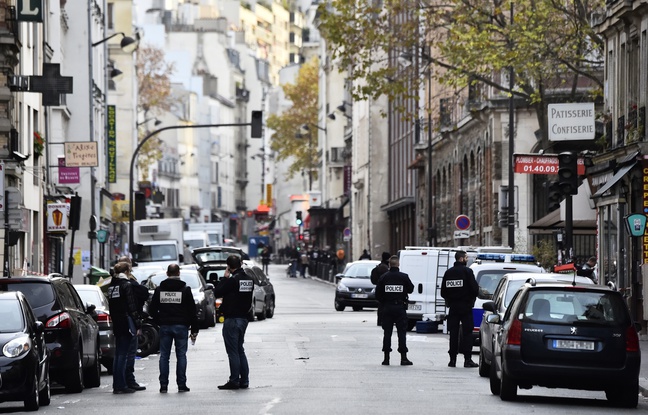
(97, 273)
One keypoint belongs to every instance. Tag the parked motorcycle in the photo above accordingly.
(148, 339)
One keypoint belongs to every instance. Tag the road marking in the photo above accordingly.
(269, 406)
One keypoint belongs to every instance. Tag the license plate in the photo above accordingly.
(414, 307)
(573, 344)
(359, 295)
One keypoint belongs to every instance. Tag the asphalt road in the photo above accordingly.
(310, 359)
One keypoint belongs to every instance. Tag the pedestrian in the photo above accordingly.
(141, 294)
(378, 272)
(459, 289)
(265, 258)
(365, 255)
(236, 291)
(589, 269)
(295, 256)
(126, 323)
(303, 259)
(174, 311)
(392, 293)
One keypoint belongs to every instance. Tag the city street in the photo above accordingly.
(310, 359)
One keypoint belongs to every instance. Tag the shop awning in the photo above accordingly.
(614, 180)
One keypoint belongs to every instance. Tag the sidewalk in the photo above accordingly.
(643, 371)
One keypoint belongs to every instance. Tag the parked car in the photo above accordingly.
(565, 336)
(263, 296)
(92, 294)
(202, 292)
(71, 334)
(354, 287)
(508, 285)
(25, 358)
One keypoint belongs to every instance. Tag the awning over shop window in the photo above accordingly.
(614, 180)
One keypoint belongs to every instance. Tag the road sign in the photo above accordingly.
(346, 234)
(542, 164)
(461, 234)
(462, 222)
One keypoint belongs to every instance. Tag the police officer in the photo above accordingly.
(378, 272)
(236, 291)
(391, 291)
(174, 310)
(459, 289)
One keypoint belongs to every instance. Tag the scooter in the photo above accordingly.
(148, 338)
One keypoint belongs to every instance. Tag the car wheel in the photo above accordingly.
(148, 341)
(338, 306)
(357, 308)
(626, 396)
(271, 308)
(508, 388)
(484, 368)
(92, 374)
(32, 402)
(262, 314)
(212, 320)
(45, 394)
(494, 381)
(74, 382)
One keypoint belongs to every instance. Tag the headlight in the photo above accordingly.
(342, 287)
(16, 347)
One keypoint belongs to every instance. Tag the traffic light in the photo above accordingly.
(555, 196)
(568, 173)
(140, 205)
(298, 218)
(75, 212)
(256, 124)
(301, 237)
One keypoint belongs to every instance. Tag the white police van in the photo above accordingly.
(425, 267)
(489, 268)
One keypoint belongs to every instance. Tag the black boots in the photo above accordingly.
(404, 361)
(386, 361)
(453, 361)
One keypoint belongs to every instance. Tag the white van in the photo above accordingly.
(195, 239)
(425, 267)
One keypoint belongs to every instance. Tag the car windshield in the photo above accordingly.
(10, 316)
(153, 253)
(38, 293)
(195, 243)
(215, 256)
(573, 306)
(190, 278)
(213, 239)
(488, 279)
(512, 288)
(360, 270)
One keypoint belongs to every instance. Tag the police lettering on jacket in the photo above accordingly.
(170, 297)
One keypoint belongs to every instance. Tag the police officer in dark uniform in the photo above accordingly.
(236, 291)
(378, 272)
(392, 293)
(174, 310)
(459, 289)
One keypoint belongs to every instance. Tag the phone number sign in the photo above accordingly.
(541, 164)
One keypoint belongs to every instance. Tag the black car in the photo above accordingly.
(564, 336)
(203, 294)
(24, 363)
(354, 287)
(71, 334)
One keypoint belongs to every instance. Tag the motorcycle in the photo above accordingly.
(148, 337)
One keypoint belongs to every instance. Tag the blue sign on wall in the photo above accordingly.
(255, 243)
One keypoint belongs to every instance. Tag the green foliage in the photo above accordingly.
(545, 253)
(284, 141)
(550, 45)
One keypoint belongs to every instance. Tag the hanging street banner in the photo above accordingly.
(571, 122)
(541, 164)
(67, 175)
(81, 154)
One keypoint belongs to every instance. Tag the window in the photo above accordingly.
(110, 15)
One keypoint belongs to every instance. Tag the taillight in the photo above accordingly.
(515, 333)
(219, 301)
(103, 318)
(59, 321)
(632, 340)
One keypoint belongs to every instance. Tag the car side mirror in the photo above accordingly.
(91, 309)
(209, 286)
(489, 306)
(493, 319)
(40, 327)
(338, 277)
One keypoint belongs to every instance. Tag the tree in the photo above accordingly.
(550, 46)
(154, 98)
(287, 126)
